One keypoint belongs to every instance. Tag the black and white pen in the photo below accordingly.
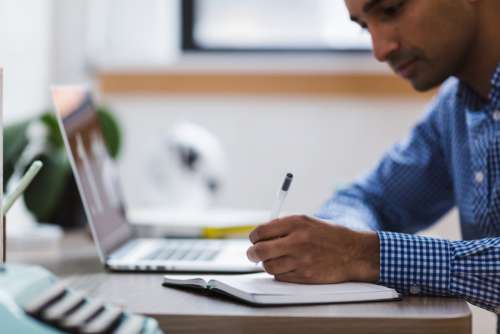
(281, 196)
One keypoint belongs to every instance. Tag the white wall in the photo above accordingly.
(103, 33)
(25, 53)
(325, 142)
(69, 57)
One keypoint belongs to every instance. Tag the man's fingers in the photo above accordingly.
(274, 229)
(290, 277)
(280, 265)
(266, 250)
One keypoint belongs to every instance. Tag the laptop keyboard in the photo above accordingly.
(185, 251)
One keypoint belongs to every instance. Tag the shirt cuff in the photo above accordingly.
(415, 264)
(475, 273)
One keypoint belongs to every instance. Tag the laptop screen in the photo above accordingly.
(93, 167)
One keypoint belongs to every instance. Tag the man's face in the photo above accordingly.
(424, 41)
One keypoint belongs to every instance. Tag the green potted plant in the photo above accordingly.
(53, 195)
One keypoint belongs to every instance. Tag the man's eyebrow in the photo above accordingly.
(370, 4)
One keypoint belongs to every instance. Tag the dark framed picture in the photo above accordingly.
(270, 26)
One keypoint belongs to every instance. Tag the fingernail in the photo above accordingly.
(252, 238)
(251, 255)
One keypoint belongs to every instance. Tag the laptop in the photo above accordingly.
(97, 180)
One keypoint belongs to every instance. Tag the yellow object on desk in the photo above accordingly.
(244, 230)
(227, 232)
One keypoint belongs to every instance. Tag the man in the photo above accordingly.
(451, 158)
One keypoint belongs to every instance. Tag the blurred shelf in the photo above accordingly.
(263, 83)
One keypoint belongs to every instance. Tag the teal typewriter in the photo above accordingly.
(33, 300)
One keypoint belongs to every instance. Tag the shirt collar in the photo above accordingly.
(473, 100)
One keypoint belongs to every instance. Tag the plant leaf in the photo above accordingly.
(44, 195)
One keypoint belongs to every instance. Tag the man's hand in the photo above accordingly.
(302, 249)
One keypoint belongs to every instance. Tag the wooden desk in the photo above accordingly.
(181, 311)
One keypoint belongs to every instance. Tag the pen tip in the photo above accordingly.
(287, 182)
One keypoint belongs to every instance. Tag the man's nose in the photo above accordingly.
(384, 43)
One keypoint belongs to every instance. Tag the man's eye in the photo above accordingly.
(393, 10)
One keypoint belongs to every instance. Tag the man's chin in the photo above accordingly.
(424, 85)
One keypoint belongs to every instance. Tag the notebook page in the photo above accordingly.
(265, 284)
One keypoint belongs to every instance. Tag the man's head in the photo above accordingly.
(425, 41)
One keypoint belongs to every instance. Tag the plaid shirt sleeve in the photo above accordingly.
(410, 176)
(427, 266)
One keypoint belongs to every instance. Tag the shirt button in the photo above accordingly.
(479, 177)
(414, 290)
(496, 115)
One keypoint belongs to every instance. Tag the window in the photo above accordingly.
(277, 25)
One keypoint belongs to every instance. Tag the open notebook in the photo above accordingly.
(263, 289)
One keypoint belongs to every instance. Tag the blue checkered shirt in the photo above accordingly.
(451, 158)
